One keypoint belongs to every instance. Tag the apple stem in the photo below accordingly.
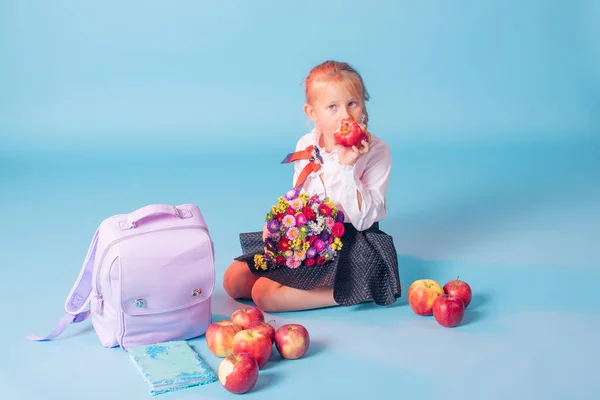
(270, 321)
(457, 277)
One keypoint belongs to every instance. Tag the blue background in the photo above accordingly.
(492, 113)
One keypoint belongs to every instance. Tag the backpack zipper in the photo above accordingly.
(100, 304)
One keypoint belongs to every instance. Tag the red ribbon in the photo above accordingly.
(309, 153)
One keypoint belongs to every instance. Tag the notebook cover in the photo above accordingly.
(171, 366)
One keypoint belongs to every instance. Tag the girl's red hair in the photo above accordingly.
(336, 72)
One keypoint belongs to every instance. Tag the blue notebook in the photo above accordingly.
(171, 366)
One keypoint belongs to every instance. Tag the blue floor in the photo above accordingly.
(519, 222)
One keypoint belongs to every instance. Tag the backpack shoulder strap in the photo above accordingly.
(79, 297)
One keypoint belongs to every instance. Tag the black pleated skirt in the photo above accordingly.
(364, 270)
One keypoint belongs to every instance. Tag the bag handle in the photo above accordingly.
(79, 297)
(153, 210)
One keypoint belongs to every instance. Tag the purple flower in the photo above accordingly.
(273, 226)
(276, 236)
(324, 236)
(291, 194)
(270, 245)
(311, 252)
(340, 216)
(319, 245)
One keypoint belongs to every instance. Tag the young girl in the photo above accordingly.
(356, 180)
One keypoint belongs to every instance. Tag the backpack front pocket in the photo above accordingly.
(166, 280)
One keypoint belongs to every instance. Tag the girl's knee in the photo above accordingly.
(264, 294)
(238, 280)
(228, 280)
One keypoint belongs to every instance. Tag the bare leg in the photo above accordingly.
(238, 280)
(271, 296)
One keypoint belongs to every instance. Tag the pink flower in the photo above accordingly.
(324, 209)
(301, 219)
(319, 245)
(338, 230)
(289, 221)
(292, 233)
(293, 262)
(296, 204)
(329, 222)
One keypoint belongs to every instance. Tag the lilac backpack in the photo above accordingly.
(147, 278)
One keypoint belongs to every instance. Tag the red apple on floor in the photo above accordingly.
(263, 327)
(219, 337)
(349, 134)
(421, 295)
(246, 315)
(254, 343)
(448, 310)
(292, 341)
(460, 289)
(238, 373)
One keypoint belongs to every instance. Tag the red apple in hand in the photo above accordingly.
(349, 134)
(292, 341)
(246, 315)
(219, 337)
(448, 310)
(254, 343)
(421, 295)
(238, 373)
(460, 289)
(263, 327)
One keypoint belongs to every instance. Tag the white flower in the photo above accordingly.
(321, 220)
(315, 227)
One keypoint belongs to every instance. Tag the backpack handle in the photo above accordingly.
(154, 210)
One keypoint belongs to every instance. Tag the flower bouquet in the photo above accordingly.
(302, 230)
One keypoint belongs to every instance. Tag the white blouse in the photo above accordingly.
(370, 176)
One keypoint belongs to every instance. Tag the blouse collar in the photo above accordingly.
(316, 135)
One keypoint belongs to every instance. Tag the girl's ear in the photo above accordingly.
(310, 112)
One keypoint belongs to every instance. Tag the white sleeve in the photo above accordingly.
(372, 186)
